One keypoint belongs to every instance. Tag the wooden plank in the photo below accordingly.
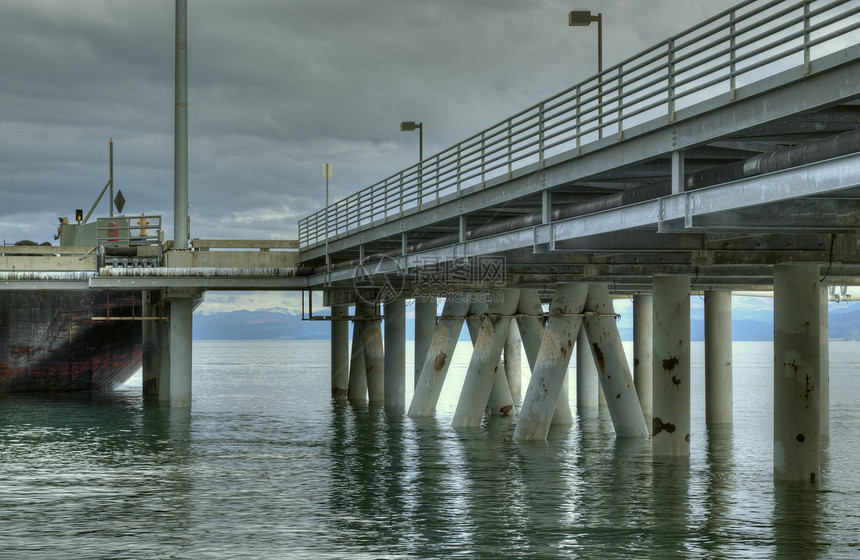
(245, 243)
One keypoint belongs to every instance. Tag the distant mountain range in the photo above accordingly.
(286, 325)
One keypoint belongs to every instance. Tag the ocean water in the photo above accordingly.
(266, 465)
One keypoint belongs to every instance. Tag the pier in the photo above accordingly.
(726, 158)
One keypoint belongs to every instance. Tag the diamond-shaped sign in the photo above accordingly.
(119, 201)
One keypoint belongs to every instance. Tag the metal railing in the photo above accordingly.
(129, 231)
(751, 41)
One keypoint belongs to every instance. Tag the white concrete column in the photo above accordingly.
(357, 371)
(542, 395)
(485, 359)
(501, 401)
(563, 416)
(797, 367)
(824, 374)
(163, 334)
(718, 357)
(611, 362)
(513, 362)
(425, 325)
(374, 359)
(395, 354)
(339, 350)
(586, 376)
(531, 327)
(643, 310)
(149, 345)
(180, 352)
(438, 359)
(671, 413)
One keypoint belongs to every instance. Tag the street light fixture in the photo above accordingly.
(584, 18)
(409, 126)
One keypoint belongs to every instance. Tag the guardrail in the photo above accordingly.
(129, 231)
(709, 60)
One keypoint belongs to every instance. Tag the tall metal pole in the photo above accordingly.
(111, 178)
(180, 154)
(327, 176)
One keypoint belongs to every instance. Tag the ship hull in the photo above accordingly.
(68, 340)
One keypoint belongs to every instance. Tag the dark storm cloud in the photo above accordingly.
(276, 88)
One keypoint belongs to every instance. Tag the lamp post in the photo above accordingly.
(583, 18)
(409, 126)
(326, 175)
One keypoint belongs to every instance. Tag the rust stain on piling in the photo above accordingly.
(635, 362)
(658, 426)
(676, 381)
(800, 437)
(439, 362)
(670, 363)
(618, 396)
(601, 359)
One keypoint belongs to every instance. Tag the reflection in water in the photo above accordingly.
(267, 465)
(798, 522)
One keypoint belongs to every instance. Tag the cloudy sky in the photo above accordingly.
(276, 88)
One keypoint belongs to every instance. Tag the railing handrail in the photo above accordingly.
(714, 53)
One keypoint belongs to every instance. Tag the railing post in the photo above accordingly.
(510, 149)
(483, 157)
(620, 103)
(436, 183)
(401, 194)
(420, 185)
(807, 65)
(540, 134)
(578, 119)
(732, 63)
(459, 167)
(671, 75)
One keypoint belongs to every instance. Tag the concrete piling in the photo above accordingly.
(670, 427)
(180, 352)
(531, 327)
(643, 310)
(339, 350)
(435, 367)
(612, 367)
(374, 360)
(486, 355)
(550, 368)
(513, 361)
(425, 325)
(824, 374)
(501, 400)
(797, 368)
(357, 371)
(163, 333)
(718, 357)
(395, 354)
(149, 345)
(586, 376)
